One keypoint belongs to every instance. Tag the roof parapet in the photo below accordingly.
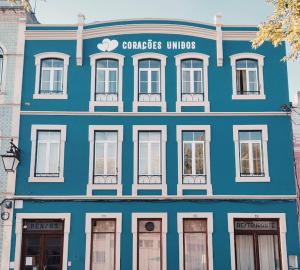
(79, 45)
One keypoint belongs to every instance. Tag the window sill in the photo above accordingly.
(91, 187)
(52, 96)
(248, 97)
(204, 104)
(93, 104)
(252, 179)
(136, 187)
(33, 179)
(138, 104)
(181, 187)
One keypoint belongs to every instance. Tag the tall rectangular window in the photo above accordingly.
(107, 80)
(106, 157)
(193, 157)
(48, 153)
(247, 77)
(149, 160)
(192, 80)
(103, 254)
(257, 244)
(195, 244)
(149, 80)
(52, 71)
(251, 153)
(149, 244)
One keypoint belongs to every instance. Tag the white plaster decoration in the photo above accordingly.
(19, 229)
(219, 40)
(264, 131)
(260, 60)
(164, 231)
(34, 130)
(136, 103)
(136, 186)
(179, 103)
(79, 45)
(210, 230)
(180, 186)
(106, 55)
(38, 62)
(91, 186)
(88, 233)
(282, 227)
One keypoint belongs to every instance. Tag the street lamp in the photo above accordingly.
(12, 158)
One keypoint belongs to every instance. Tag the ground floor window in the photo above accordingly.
(149, 252)
(103, 254)
(257, 244)
(42, 245)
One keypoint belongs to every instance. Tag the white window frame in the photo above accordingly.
(210, 229)
(180, 185)
(34, 130)
(264, 132)
(4, 67)
(38, 62)
(91, 186)
(197, 56)
(136, 186)
(93, 60)
(260, 75)
(149, 81)
(162, 103)
(282, 227)
(88, 236)
(19, 233)
(164, 230)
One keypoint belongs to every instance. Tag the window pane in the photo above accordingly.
(103, 251)
(194, 225)
(112, 63)
(244, 152)
(154, 64)
(186, 63)
(54, 158)
(250, 135)
(241, 63)
(268, 252)
(257, 158)
(58, 63)
(252, 63)
(155, 159)
(45, 80)
(143, 63)
(244, 252)
(187, 150)
(143, 159)
(99, 159)
(57, 80)
(112, 158)
(101, 63)
(104, 225)
(241, 81)
(195, 251)
(199, 153)
(154, 87)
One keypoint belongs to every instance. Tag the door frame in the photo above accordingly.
(66, 217)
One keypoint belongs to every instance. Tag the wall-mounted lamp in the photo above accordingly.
(12, 158)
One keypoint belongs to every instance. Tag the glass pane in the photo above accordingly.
(197, 63)
(32, 252)
(188, 135)
(143, 63)
(45, 80)
(195, 251)
(103, 251)
(250, 135)
(154, 87)
(268, 252)
(47, 63)
(58, 63)
(112, 63)
(154, 64)
(198, 87)
(199, 152)
(241, 63)
(194, 225)
(252, 63)
(143, 159)
(155, 159)
(53, 252)
(186, 63)
(244, 158)
(54, 158)
(102, 63)
(241, 81)
(187, 150)
(57, 80)
(99, 159)
(111, 159)
(257, 158)
(244, 252)
(112, 87)
(104, 225)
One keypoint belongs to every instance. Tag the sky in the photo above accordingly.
(239, 12)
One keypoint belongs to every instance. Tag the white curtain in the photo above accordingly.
(268, 252)
(103, 257)
(149, 251)
(195, 251)
(244, 252)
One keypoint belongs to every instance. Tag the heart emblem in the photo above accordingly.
(108, 45)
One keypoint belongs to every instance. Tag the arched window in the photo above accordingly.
(1, 66)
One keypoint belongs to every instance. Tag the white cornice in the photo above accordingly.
(105, 31)
(159, 114)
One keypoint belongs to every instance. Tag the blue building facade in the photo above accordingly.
(153, 144)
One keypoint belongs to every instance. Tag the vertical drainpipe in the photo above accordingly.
(79, 45)
(219, 40)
